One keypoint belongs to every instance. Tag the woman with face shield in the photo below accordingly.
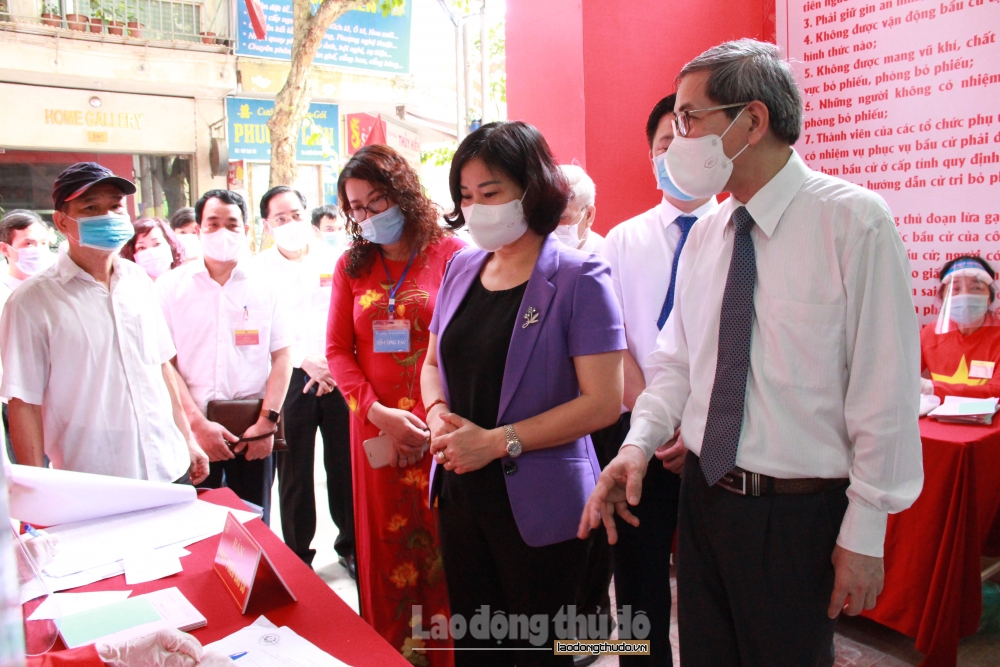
(961, 350)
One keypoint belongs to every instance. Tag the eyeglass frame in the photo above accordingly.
(687, 116)
(367, 209)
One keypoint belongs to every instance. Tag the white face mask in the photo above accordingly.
(493, 227)
(156, 260)
(33, 259)
(224, 245)
(967, 309)
(191, 244)
(569, 235)
(699, 166)
(292, 236)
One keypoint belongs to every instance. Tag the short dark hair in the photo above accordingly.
(181, 217)
(519, 151)
(975, 258)
(662, 108)
(226, 197)
(265, 201)
(320, 212)
(745, 70)
(16, 220)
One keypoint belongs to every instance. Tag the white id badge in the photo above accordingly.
(392, 335)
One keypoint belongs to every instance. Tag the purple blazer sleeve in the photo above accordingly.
(596, 323)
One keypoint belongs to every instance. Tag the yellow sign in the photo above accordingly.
(98, 137)
(131, 121)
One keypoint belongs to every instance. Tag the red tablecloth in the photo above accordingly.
(932, 550)
(319, 615)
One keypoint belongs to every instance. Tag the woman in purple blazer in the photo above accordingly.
(524, 361)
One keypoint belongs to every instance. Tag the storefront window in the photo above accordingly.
(163, 182)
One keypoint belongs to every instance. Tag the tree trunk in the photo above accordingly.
(292, 102)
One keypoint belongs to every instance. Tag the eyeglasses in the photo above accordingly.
(284, 218)
(682, 119)
(374, 207)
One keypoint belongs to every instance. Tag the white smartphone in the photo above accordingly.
(379, 451)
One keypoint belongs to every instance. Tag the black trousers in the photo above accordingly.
(250, 480)
(486, 562)
(642, 555)
(754, 576)
(304, 413)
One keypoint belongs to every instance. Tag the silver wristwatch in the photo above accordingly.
(514, 447)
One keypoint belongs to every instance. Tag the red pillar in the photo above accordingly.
(588, 73)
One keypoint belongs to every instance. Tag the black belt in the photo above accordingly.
(745, 483)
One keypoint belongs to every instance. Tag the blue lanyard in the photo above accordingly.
(395, 286)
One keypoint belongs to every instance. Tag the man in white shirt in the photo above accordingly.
(86, 352)
(791, 364)
(643, 253)
(301, 266)
(24, 242)
(233, 342)
(577, 219)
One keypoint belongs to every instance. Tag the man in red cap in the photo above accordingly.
(86, 350)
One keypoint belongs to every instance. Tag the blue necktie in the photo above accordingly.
(725, 408)
(685, 222)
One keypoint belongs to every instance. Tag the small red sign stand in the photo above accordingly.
(245, 569)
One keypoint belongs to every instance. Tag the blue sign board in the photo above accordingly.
(360, 39)
(250, 138)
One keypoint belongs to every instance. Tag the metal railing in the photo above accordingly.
(192, 21)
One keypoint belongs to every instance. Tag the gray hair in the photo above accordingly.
(582, 185)
(746, 70)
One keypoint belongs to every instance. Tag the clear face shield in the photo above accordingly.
(967, 299)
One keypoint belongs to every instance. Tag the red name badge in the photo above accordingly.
(245, 569)
(247, 337)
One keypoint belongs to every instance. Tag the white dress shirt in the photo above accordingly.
(92, 359)
(834, 381)
(306, 286)
(224, 334)
(641, 254)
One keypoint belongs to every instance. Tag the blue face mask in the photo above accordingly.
(108, 232)
(384, 228)
(663, 180)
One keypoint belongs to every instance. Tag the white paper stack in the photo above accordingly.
(264, 645)
(101, 521)
(961, 410)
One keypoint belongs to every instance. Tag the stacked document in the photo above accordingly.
(109, 525)
(960, 410)
(264, 645)
(133, 617)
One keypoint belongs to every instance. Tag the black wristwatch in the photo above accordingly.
(271, 415)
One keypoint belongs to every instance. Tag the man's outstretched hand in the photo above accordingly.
(619, 486)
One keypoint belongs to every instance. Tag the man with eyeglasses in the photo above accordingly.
(301, 267)
(644, 253)
(234, 342)
(791, 364)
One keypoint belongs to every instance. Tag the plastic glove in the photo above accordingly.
(166, 648)
(926, 386)
(215, 659)
(42, 548)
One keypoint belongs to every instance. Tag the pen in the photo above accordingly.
(30, 530)
(237, 656)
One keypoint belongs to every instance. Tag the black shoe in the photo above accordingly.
(351, 565)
